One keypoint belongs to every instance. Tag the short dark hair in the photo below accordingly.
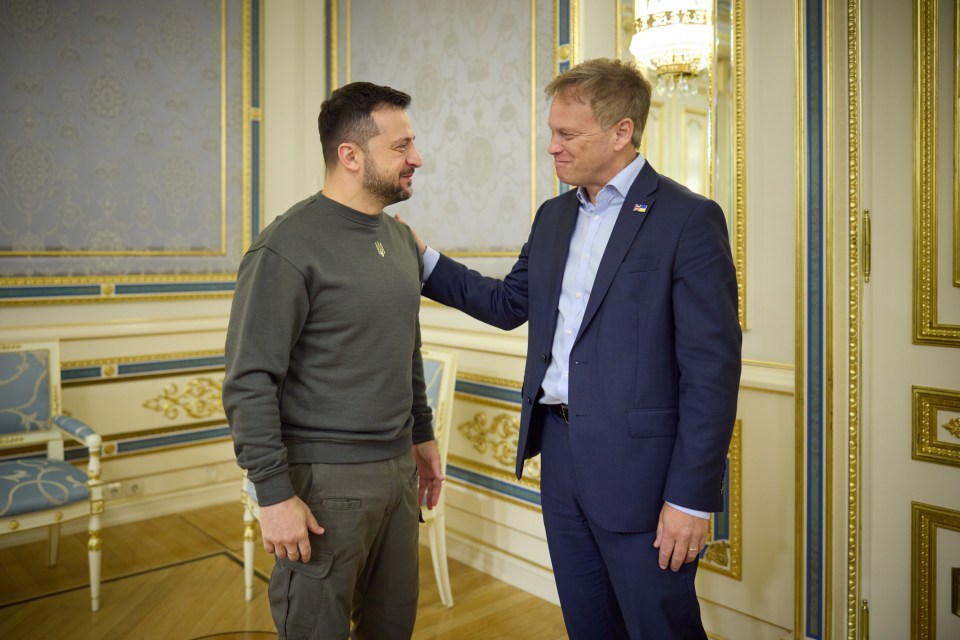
(347, 115)
(614, 90)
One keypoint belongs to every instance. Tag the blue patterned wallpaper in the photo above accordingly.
(121, 149)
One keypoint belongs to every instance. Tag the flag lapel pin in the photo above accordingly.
(640, 208)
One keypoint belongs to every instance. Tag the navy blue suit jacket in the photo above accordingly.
(655, 368)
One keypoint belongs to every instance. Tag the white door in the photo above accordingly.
(911, 506)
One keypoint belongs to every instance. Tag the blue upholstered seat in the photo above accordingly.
(44, 490)
(36, 485)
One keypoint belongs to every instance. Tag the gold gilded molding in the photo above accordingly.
(95, 544)
(927, 328)
(499, 404)
(498, 438)
(854, 321)
(800, 199)
(107, 284)
(923, 584)
(334, 50)
(199, 398)
(956, 150)
(738, 33)
(500, 382)
(927, 446)
(725, 556)
(953, 427)
(530, 468)
(107, 363)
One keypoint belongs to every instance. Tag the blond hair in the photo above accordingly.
(614, 90)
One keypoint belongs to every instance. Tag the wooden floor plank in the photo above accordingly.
(182, 577)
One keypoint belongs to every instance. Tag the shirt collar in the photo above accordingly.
(621, 182)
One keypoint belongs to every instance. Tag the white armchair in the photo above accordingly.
(44, 490)
(440, 372)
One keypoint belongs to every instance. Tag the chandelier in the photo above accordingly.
(673, 39)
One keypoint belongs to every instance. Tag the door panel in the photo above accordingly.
(911, 503)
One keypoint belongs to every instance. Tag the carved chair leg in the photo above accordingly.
(94, 554)
(249, 536)
(53, 544)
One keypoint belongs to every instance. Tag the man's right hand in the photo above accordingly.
(284, 529)
(416, 237)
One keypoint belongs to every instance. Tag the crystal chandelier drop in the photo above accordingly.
(673, 39)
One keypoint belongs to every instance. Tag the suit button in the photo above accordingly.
(543, 357)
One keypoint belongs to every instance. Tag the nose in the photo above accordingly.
(555, 147)
(413, 158)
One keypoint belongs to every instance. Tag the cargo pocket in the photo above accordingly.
(296, 593)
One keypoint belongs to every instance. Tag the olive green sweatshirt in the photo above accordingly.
(323, 347)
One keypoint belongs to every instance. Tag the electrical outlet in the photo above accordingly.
(135, 488)
(113, 491)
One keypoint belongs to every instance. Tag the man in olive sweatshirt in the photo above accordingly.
(324, 387)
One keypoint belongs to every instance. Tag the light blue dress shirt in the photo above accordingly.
(593, 228)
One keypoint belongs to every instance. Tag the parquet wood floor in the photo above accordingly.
(181, 577)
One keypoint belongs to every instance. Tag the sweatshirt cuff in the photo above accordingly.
(274, 489)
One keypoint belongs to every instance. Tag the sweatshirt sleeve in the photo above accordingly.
(422, 415)
(269, 309)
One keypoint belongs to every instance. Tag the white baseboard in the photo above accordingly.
(514, 571)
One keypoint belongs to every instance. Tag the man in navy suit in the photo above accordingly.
(633, 362)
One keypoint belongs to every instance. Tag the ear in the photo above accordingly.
(624, 134)
(349, 156)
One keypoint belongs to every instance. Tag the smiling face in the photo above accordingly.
(390, 158)
(584, 154)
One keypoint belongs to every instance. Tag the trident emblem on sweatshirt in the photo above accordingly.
(380, 248)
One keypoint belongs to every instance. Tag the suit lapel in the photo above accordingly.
(558, 245)
(636, 206)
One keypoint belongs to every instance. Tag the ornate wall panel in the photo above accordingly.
(483, 447)
(476, 72)
(723, 551)
(936, 308)
(855, 285)
(928, 571)
(129, 136)
(936, 425)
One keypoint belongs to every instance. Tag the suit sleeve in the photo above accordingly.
(708, 342)
(501, 303)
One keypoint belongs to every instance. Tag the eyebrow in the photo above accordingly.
(403, 140)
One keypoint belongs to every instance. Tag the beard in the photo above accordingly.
(382, 187)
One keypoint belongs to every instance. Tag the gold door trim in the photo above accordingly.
(854, 318)
(923, 567)
(927, 444)
(927, 328)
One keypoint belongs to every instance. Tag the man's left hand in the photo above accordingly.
(428, 467)
(680, 537)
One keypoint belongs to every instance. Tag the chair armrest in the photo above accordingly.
(79, 431)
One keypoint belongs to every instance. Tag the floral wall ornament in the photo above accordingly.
(199, 398)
